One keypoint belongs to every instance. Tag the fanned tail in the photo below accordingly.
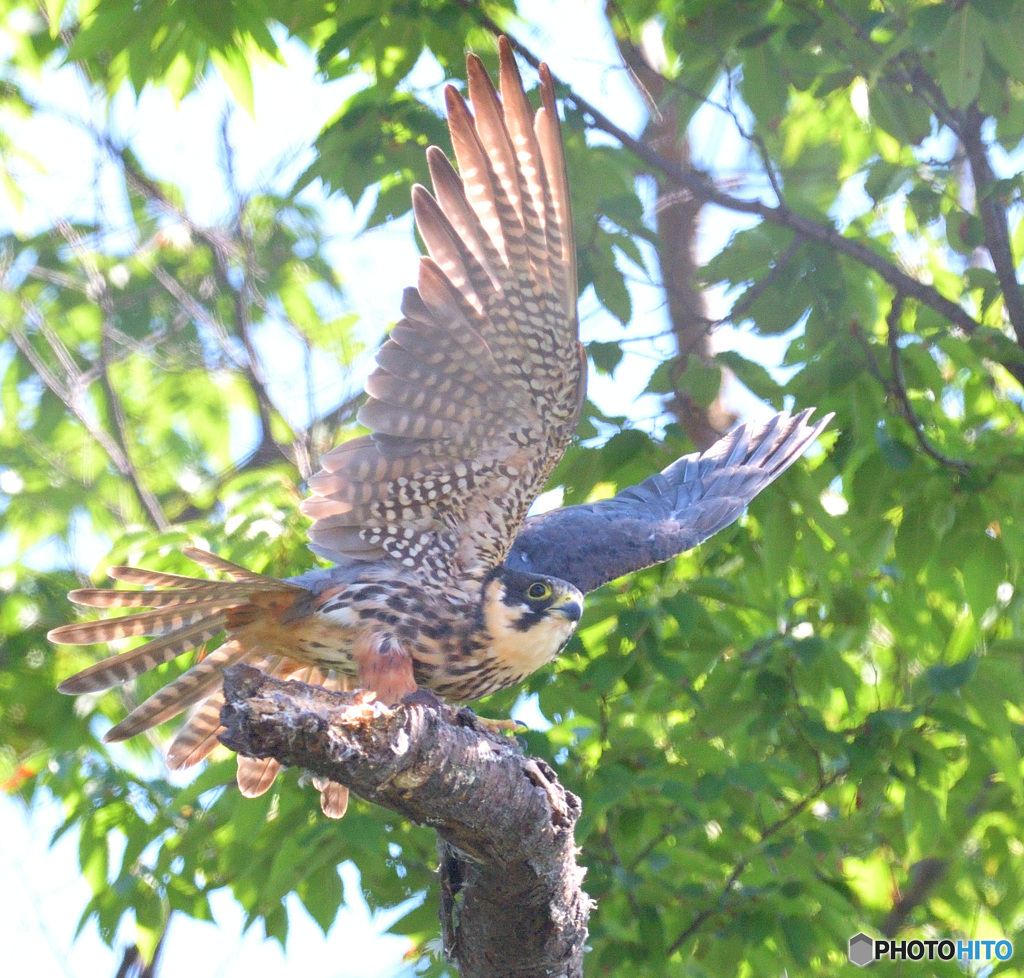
(190, 687)
(187, 613)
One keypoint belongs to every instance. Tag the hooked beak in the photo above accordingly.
(571, 608)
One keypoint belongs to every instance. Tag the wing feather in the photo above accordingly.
(561, 239)
(478, 390)
(667, 514)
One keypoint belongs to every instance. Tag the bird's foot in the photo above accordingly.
(492, 726)
(423, 697)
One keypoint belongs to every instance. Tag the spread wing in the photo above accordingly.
(479, 387)
(667, 514)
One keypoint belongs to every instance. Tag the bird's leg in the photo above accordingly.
(384, 668)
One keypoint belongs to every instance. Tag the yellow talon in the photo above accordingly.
(507, 726)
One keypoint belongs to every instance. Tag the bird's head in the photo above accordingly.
(529, 617)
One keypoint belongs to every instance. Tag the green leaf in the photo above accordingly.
(606, 356)
(1001, 38)
(752, 375)
(885, 178)
(898, 114)
(234, 69)
(701, 381)
(612, 293)
(321, 893)
(922, 823)
(947, 679)
(764, 86)
(54, 15)
(960, 57)
(895, 453)
(984, 568)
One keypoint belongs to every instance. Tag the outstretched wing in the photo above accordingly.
(667, 514)
(479, 387)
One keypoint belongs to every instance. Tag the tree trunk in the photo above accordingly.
(677, 220)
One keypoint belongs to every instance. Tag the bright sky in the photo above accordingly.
(42, 895)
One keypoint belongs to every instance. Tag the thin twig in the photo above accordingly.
(70, 394)
(195, 310)
(754, 138)
(793, 812)
(223, 248)
(100, 294)
(898, 389)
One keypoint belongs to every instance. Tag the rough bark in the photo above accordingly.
(512, 903)
(677, 220)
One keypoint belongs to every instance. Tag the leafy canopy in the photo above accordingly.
(812, 726)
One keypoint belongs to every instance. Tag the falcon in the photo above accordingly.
(439, 579)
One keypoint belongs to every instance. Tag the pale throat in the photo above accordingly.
(523, 651)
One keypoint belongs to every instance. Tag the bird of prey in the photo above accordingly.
(438, 579)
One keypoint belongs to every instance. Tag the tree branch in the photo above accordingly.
(925, 875)
(511, 896)
(677, 218)
(993, 220)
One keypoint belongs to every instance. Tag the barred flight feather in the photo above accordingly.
(159, 622)
(121, 668)
(190, 687)
(479, 388)
(197, 737)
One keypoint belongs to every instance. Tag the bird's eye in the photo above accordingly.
(538, 590)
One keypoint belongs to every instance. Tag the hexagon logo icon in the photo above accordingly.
(861, 950)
